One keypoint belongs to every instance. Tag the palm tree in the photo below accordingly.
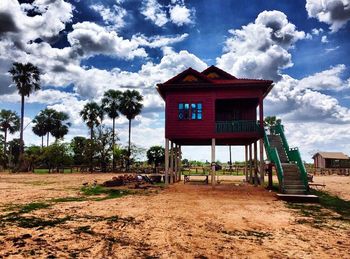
(92, 114)
(130, 106)
(51, 121)
(39, 128)
(9, 122)
(27, 79)
(61, 126)
(110, 104)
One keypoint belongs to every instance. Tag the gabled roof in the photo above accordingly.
(331, 155)
(190, 75)
(216, 73)
(209, 78)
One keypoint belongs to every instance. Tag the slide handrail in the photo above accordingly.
(273, 156)
(293, 154)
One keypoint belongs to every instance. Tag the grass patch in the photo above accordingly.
(330, 207)
(33, 222)
(69, 199)
(100, 190)
(33, 206)
(334, 203)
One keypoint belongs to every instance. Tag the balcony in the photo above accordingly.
(238, 126)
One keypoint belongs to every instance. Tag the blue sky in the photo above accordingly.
(86, 47)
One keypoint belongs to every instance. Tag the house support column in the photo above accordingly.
(166, 169)
(246, 163)
(179, 164)
(176, 152)
(213, 162)
(171, 162)
(255, 163)
(261, 120)
(262, 163)
(250, 163)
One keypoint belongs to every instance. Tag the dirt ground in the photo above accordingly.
(234, 220)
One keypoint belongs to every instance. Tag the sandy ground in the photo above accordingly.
(234, 220)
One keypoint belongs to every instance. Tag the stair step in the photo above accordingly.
(295, 191)
(293, 182)
(294, 186)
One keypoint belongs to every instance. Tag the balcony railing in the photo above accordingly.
(238, 126)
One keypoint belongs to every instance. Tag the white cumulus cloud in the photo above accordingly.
(336, 13)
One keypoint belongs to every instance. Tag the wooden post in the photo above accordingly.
(176, 162)
(255, 162)
(250, 163)
(166, 181)
(171, 162)
(246, 162)
(180, 163)
(262, 163)
(213, 162)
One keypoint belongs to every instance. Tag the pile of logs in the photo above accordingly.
(123, 180)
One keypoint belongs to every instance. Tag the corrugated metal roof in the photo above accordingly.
(332, 155)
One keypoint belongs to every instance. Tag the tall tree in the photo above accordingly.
(110, 104)
(39, 128)
(27, 80)
(92, 114)
(61, 126)
(130, 106)
(9, 122)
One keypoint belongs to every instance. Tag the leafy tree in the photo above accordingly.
(14, 151)
(32, 157)
(121, 156)
(78, 146)
(27, 80)
(130, 106)
(271, 121)
(155, 155)
(92, 114)
(103, 146)
(9, 122)
(56, 156)
(111, 104)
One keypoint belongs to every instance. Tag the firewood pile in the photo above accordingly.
(126, 179)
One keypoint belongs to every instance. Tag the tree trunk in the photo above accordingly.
(21, 149)
(42, 141)
(113, 144)
(91, 151)
(47, 139)
(129, 148)
(5, 142)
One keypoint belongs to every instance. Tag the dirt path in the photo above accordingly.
(234, 220)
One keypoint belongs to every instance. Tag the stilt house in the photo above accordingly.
(212, 107)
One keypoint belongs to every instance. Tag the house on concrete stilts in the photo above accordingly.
(213, 108)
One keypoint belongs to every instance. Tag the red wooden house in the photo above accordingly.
(212, 108)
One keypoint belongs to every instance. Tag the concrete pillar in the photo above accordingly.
(213, 162)
(166, 181)
(262, 162)
(171, 162)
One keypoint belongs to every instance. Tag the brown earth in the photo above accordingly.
(234, 220)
